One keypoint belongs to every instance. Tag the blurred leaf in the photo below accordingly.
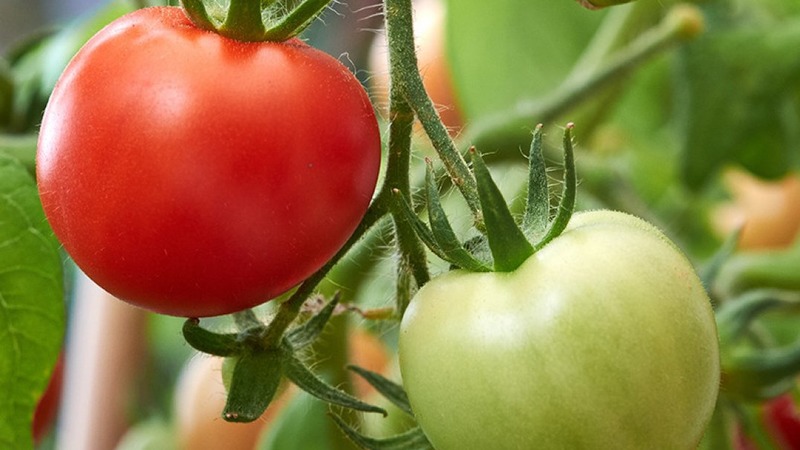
(302, 425)
(500, 52)
(32, 312)
(732, 104)
(38, 64)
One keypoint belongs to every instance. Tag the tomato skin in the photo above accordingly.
(195, 175)
(605, 338)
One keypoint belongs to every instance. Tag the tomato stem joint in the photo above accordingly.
(250, 21)
(505, 245)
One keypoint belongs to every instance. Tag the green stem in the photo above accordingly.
(244, 21)
(510, 128)
(405, 77)
(413, 258)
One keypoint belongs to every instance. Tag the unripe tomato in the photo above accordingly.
(196, 175)
(604, 338)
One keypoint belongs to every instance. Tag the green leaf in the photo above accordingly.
(501, 52)
(254, 382)
(567, 203)
(389, 389)
(413, 439)
(32, 313)
(21, 147)
(306, 380)
(301, 425)
(734, 102)
(508, 244)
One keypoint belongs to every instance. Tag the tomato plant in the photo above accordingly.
(202, 160)
(215, 180)
(572, 349)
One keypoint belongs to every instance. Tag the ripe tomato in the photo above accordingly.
(195, 175)
(782, 419)
(605, 338)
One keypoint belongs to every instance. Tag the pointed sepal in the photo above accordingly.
(308, 381)
(566, 205)
(388, 388)
(413, 439)
(255, 380)
(509, 246)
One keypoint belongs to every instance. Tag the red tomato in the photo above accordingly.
(46, 409)
(195, 175)
(782, 419)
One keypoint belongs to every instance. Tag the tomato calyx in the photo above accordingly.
(260, 362)
(753, 368)
(505, 244)
(245, 19)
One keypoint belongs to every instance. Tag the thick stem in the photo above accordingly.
(412, 253)
(406, 78)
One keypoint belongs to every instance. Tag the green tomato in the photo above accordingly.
(605, 338)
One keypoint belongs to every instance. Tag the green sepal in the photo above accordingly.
(305, 379)
(305, 334)
(389, 389)
(765, 269)
(762, 374)
(464, 260)
(509, 246)
(255, 380)
(735, 316)
(755, 372)
(197, 13)
(296, 21)
(443, 232)
(413, 439)
(244, 19)
(219, 344)
(566, 205)
(709, 273)
(537, 205)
